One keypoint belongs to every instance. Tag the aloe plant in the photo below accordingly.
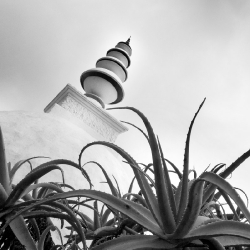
(34, 222)
(107, 223)
(18, 225)
(175, 216)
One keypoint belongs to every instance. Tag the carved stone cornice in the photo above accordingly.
(97, 119)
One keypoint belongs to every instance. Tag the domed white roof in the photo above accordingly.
(29, 134)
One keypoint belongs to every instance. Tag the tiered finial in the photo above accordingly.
(104, 83)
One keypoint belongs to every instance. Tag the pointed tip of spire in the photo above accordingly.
(128, 41)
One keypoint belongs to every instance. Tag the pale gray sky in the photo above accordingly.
(183, 51)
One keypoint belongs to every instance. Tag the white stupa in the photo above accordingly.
(71, 120)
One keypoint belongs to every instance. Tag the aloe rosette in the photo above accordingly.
(14, 198)
(174, 216)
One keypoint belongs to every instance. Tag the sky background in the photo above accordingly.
(183, 51)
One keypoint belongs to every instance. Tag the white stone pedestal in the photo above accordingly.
(74, 106)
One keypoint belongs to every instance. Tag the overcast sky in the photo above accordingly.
(183, 51)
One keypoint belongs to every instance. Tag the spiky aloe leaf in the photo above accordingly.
(97, 222)
(105, 231)
(210, 190)
(194, 172)
(34, 191)
(175, 168)
(217, 167)
(60, 236)
(117, 187)
(229, 203)
(105, 216)
(192, 211)
(64, 185)
(69, 163)
(195, 202)
(138, 197)
(213, 243)
(233, 241)
(73, 218)
(42, 193)
(220, 228)
(224, 185)
(3, 194)
(35, 227)
(217, 206)
(81, 203)
(46, 185)
(135, 242)
(166, 214)
(89, 221)
(130, 231)
(184, 187)
(131, 124)
(28, 180)
(168, 184)
(45, 189)
(48, 214)
(141, 179)
(4, 173)
(243, 193)
(134, 211)
(177, 195)
(111, 222)
(20, 163)
(203, 220)
(142, 171)
(235, 164)
(40, 245)
(111, 186)
(148, 167)
(131, 185)
(82, 220)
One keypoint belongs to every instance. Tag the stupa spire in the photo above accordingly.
(104, 83)
(128, 41)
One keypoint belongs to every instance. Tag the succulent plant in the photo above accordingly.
(177, 217)
(159, 216)
(30, 229)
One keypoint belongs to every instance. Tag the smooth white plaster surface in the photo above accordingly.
(29, 134)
